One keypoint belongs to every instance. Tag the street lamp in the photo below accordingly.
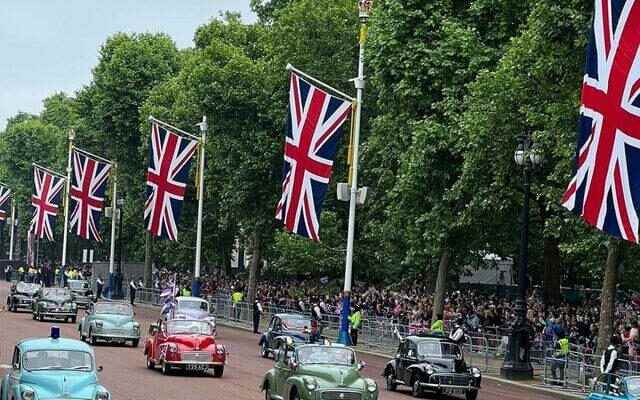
(517, 364)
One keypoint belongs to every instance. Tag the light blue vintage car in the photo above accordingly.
(53, 368)
(615, 387)
(110, 322)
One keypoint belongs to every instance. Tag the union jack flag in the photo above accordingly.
(313, 133)
(606, 187)
(88, 184)
(45, 202)
(5, 195)
(169, 161)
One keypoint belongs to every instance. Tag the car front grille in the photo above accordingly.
(116, 331)
(451, 379)
(340, 395)
(196, 356)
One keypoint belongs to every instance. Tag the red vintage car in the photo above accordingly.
(184, 344)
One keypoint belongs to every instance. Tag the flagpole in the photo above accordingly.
(13, 223)
(195, 286)
(114, 213)
(344, 337)
(72, 136)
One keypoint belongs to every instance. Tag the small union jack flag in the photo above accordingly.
(169, 161)
(45, 202)
(605, 189)
(5, 195)
(88, 184)
(313, 133)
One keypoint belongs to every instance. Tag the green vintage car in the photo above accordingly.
(52, 368)
(313, 371)
(109, 322)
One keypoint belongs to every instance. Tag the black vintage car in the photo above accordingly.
(81, 292)
(21, 296)
(295, 326)
(54, 303)
(433, 364)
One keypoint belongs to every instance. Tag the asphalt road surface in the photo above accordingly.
(126, 376)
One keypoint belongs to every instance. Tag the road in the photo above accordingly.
(126, 376)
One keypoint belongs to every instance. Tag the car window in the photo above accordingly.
(326, 355)
(193, 305)
(114, 308)
(38, 360)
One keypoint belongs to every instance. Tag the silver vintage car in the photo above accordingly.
(109, 322)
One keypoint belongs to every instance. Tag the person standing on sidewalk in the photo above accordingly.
(99, 287)
(257, 312)
(236, 298)
(355, 321)
(132, 291)
(560, 359)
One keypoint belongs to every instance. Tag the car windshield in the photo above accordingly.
(55, 292)
(434, 348)
(633, 386)
(57, 359)
(193, 305)
(189, 328)
(27, 287)
(295, 323)
(326, 355)
(77, 285)
(113, 308)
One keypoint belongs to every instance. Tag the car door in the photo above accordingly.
(271, 332)
(86, 320)
(160, 339)
(283, 372)
(14, 374)
(408, 358)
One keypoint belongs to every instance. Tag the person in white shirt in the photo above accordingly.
(457, 335)
(609, 356)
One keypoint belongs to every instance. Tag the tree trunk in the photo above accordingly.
(441, 283)
(17, 245)
(608, 296)
(253, 268)
(147, 260)
(552, 272)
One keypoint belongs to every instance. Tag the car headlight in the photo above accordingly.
(475, 372)
(102, 396)
(371, 385)
(429, 370)
(28, 394)
(310, 384)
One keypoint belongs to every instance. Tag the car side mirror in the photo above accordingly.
(153, 328)
(100, 368)
(293, 364)
(361, 365)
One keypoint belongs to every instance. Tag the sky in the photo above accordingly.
(48, 46)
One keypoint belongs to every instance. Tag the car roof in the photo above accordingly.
(53, 344)
(291, 316)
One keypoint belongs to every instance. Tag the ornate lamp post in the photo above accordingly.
(517, 364)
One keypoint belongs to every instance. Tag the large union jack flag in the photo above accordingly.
(88, 185)
(170, 159)
(313, 133)
(5, 195)
(605, 190)
(45, 202)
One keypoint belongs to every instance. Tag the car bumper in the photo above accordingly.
(23, 304)
(115, 337)
(58, 314)
(192, 364)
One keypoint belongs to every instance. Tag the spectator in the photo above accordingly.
(99, 287)
(132, 291)
(355, 320)
(610, 356)
(257, 312)
(560, 359)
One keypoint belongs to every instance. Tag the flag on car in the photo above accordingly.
(605, 189)
(168, 296)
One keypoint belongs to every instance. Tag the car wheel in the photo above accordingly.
(135, 342)
(218, 370)
(416, 388)
(390, 382)
(294, 396)
(166, 369)
(264, 351)
(150, 363)
(267, 393)
(73, 320)
(33, 315)
(40, 317)
(471, 394)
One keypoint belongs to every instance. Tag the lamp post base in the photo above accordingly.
(343, 336)
(517, 361)
(195, 287)
(517, 372)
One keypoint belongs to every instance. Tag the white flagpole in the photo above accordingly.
(114, 214)
(72, 135)
(195, 287)
(13, 224)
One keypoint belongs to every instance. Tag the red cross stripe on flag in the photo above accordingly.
(88, 185)
(313, 134)
(170, 159)
(605, 190)
(5, 195)
(45, 202)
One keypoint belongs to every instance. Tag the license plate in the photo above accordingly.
(454, 391)
(197, 367)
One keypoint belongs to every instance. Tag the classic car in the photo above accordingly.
(52, 368)
(294, 326)
(192, 308)
(54, 303)
(81, 292)
(610, 387)
(314, 371)
(184, 344)
(111, 322)
(21, 296)
(431, 363)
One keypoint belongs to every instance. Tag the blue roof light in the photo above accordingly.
(55, 332)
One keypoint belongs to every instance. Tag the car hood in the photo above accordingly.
(192, 314)
(24, 294)
(329, 375)
(114, 320)
(56, 300)
(53, 384)
(199, 342)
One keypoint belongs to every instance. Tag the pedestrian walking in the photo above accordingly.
(132, 291)
(257, 313)
(99, 287)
